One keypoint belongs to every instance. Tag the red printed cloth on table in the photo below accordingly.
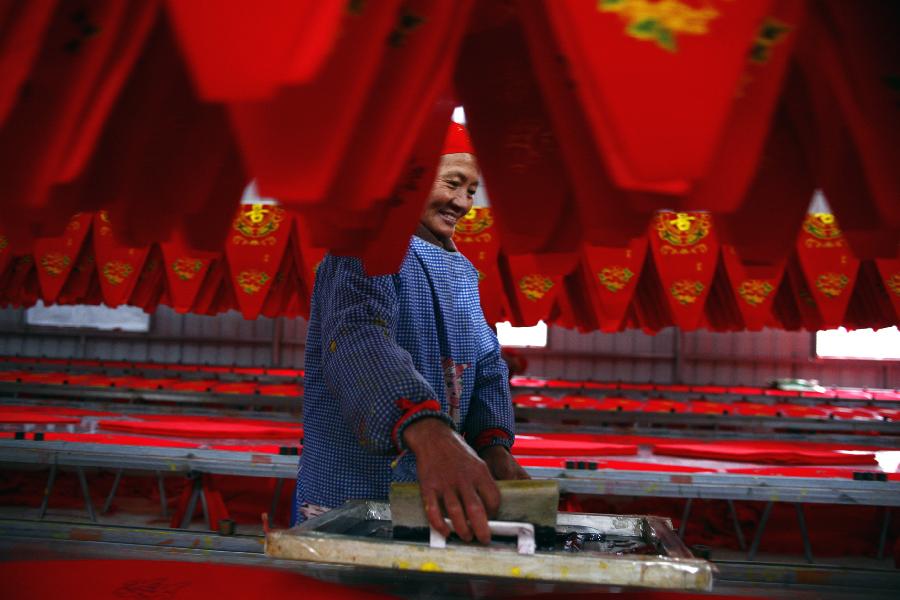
(811, 472)
(669, 406)
(175, 580)
(259, 449)
(34, 417)
(613, 465)
(769, 453)
(280, 389)
(195, 428)
(536, 401)
(537, 445)
(119, 440)
(57, 410)
(710, 408)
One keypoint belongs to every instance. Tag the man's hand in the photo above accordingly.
(452, 475)
(502, 464)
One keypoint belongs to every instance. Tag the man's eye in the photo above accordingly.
(471, 192)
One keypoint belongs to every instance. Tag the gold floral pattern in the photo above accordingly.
(686, 291)
(822, 226)
(893, 283)
(755, 291)
(615, 277)
(186, 268)
(55, 263)
(660, 21)
(832, 284)
(252, 281)
(116, 271)
(535, 286)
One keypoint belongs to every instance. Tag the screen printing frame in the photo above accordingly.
(316, 541)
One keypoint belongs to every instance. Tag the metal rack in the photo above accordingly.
(690, 486)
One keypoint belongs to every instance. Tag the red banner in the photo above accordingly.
(889, 269)
(685, 250)
(754, 288)
(476, 237)
(55, 257)
(118, 266)
(828, 266)
(255, 247)
(613, 274)
(185, 270)
(689, 55)
(536, 282)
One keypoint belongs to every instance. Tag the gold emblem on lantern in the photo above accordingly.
(686, 291)
(251, 280)
(186, 268)
(683, 231)
(615, 277)
(755, 291)
(54, 263)
(893, 283)
(832, 284)
(823, 228)
(256, 223)
(535, 286)
(116, 271)
(660, 21)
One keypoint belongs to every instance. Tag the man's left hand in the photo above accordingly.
(502, 464)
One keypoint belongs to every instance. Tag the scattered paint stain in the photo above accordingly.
(430, 567)
(602, 565)
(564, 572)
(401, 565)
(515, 572)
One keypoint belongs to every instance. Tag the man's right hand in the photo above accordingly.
(453, 476)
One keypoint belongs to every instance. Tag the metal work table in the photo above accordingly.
(44, 540)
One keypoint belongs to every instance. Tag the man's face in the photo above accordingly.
(451, 195)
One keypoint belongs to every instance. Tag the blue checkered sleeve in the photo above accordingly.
(375, 381)
(490, 419)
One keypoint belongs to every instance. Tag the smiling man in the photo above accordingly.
(404, 379)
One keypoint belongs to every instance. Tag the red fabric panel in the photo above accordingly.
(829, 266)
(287, 389)
(538, 445)
(685, 250)
(710, 408)
(56, 256)
(672, 388)
(669, 406)
(194, 428)
(619, 404)
(221, 420)
(255, 246)
(121, 440)
(285, 372)
(186, 270)
(527, 382)
(754, 287)
(23, 25)
(600, 385)
(755, 410)
(802, 412)
(173, 580)
(882, 395)
(194, 385)
(118, 266)
(57, 410)
(614, 465)
(709, 389)
(645, 148)
(844, 412)
(235, 387)
(766, 452)
(236, 54)
(811, 472)
(258, 448)
(536, 400)
(23, 416)
(638, 387)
